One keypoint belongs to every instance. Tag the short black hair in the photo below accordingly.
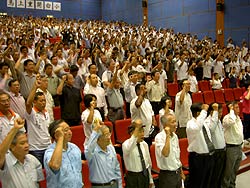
(12, 81)
(25, 63)
(87, 99)
(163, 101)
(138, 87)
(47, 65)
(195, 108)
(38, 94)
(4, 64)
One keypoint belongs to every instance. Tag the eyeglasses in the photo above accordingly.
(5, 101)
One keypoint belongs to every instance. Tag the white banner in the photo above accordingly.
(20, 3)
(11, 3)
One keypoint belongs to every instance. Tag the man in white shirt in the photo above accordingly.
(92, 87)
(201, 160)
(141, 108)
(17, 167)
(233, 130)
(139, 174)
(217, 134)
(183, 103)
(167, 153)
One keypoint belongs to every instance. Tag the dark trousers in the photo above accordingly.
(39, 154)
(233, 159)
(128, 114)
(200, 170)
(137, 180)
(170, 179)
(156, 107)
(219, 167)
(246, 124)
(56, 100)
(101, 110)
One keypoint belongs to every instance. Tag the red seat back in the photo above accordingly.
(183, 143)
(204, 85)
(121, 130)
(228, 93)
(219, 96)
(172, 89)
(57, 112)
(43, 183)
(85, 174)
(208, 97)
(121, 167)
(153, 158)
(78, 136)
(197, 97)
(237, 93)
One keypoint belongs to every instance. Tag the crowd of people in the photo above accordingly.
(92, 69)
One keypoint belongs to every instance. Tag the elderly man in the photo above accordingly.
(168, 154)
(103, 164)
(137, 158)
(17, 167)
(62, 160)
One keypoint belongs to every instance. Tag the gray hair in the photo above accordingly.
(19, 133)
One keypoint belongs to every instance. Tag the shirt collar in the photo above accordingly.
(11, 111)
(36, 110)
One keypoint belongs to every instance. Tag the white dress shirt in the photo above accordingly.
(216, 130)
(172, 161)
(131, 156)
(100, 95)
(233, 129)
(144, 112)
(182, 111)
(87, 127)
(196, 139)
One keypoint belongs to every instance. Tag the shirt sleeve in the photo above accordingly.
(91, 145)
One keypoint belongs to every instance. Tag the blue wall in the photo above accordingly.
(127, 10)
(84, 9)
(237, 20)
(193, 16)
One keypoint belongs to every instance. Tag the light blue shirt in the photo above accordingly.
(103, 165)
(70, 173)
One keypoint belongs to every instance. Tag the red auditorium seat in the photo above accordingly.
(197, 97)
(208, 97)
(243, 89)
(227, 82)
(228, 93)
(121, 130)
(157, 118)
(43, 183)
(219, 96)
(85, 174)
(237, 93)
(155, 169)
(183, 143)
(204, 85)
(121, 167)
(172, 89)
(224, 110)
(78, 136)
(57, 112)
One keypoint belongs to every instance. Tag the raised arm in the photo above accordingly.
(29, 102)
(56, 158)
(5, 145)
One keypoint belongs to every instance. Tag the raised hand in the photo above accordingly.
(19, 123)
